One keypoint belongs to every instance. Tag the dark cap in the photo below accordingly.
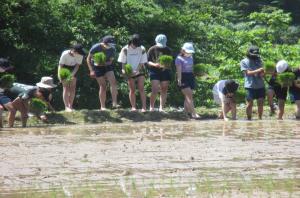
(108, 39)
(4, 63)
(79, 49)
(135, 40)
(253, 51)
(230, 87)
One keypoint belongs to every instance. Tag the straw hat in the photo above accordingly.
(46, 82)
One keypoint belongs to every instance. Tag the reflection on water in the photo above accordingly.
(181, 152)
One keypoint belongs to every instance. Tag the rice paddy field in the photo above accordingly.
(207, 158)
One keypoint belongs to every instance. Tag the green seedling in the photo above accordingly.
(269, 67)
(65, 75)
(286, 79)
(128, 69)
(37, 106)
(165, 61)
(7, 80)
(99, 59)
(200, 70)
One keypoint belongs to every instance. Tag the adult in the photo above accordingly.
(224, 95)
(135, 55)
(5, 101)
(185, 77)
(22, 94)
(251, 66)
(160, 77)
(104, 72)
(295, 92)
(70, 59)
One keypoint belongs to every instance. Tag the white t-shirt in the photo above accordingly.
(68, 60)
(217, 91)
(134, 57)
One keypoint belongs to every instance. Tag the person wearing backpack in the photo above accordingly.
(104, 71)
(134, 55)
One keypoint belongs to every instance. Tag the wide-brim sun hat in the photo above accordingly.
(46, 82)
(188, 48)
(161, 40)
(281, 66)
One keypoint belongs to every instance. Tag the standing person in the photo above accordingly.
(224, 95)
(185, 77)
(22, 94)
(295, 92)
(135, 55)
(160, 77)
(104, 72)
(251, 66)
(5, 102)
(70, 59)
(275, 89)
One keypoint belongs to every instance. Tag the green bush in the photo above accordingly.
(200, 69)
(128, 69)
(37, 106)
(269, 67)
(99, 59)
(7, 80)
(165, 61)
(65, 74)
(286, 79)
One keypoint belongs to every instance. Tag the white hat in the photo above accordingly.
(188, 48)
(281, 66)
(46, 82)
(161, 40)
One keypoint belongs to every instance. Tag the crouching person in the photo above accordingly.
(224, 95)
(22, 94)
(295, 92)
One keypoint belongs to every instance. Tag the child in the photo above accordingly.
(104, 73)
(160, 77)
(135, 55)
(276, 89)
(223, 92)
(185, 77)
(5, 101)
(251, 66)
(295, 92)
(22, 94)
(70, 59)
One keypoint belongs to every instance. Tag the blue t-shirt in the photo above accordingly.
(110, 53)
(252, 81)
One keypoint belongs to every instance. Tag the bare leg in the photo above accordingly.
(102, 92)
(270, 95)
(249, 109)
(113, 87)
(188, 94)
(132, 98)
(141, 88)
(1, 113)
(66, 93)
(72, 89)
(233, 110)
(154, 92)
(260, 107)
(281, 104)
(163, 94)
(11, 114)
(297, 102)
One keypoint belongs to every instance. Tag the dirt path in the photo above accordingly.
(149, 154)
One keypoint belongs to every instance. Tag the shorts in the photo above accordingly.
(187, 81)
(253, 94)
(162, 75)
(294, 95)
(4, 99)
(102, 70)
(280, 93)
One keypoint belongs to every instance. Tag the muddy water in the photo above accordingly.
(148, 154)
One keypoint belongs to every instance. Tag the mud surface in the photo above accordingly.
(148, 154)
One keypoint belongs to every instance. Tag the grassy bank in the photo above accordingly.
(124, 116)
